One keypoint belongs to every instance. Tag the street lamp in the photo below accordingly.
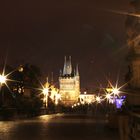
(116, 91)
(45, 91)
(109, 89)
(2, 79)
(98, 99)
(108, 96)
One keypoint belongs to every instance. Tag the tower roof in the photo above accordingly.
(67, 66)
(77, 71)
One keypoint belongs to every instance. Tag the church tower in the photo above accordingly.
(69, 83)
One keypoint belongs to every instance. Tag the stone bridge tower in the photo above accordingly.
(69, 84)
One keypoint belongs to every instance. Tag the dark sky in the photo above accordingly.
(42, 32)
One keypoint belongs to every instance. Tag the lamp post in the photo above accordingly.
(45, 92)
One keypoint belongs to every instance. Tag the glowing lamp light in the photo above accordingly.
(116, 91)
(108, 96)
(98, 99)
(58, 96)
(85, 92)
(2, 79)
(119, 103)
(109, 90)
(45, 91)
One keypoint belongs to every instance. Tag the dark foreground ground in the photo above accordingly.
(58, 127)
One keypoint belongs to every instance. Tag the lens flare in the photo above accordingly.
(125, 13)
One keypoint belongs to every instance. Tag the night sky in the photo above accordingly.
(42, 32)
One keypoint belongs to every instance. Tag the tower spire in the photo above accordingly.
(77, 71)
(60, 72)
(70, 66)
(65, 66)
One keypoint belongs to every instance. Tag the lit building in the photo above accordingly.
(69, 84)
(87, 98)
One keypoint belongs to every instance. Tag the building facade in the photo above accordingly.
(69, 84)
(133, 42)
(87, 98)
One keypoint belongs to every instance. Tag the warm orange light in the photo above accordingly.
(109, 90)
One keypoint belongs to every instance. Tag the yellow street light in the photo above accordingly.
(109, 90)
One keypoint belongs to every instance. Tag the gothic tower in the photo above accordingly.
(69, 84)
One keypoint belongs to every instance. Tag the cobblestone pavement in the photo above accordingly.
(58, 127)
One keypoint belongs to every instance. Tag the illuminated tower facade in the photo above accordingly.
(69, 84)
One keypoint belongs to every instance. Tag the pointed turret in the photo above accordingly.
(74, 72)
(69, 66)
(65, 66)
(60, 72)
(77, 71)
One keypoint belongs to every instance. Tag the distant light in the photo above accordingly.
(78, 104)
(45, 91)
(98, 99)
(20, 69)
(58, 96)
(116, 91)
(108, 96)
(119, 103)
(2, 79)
(109, 89)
